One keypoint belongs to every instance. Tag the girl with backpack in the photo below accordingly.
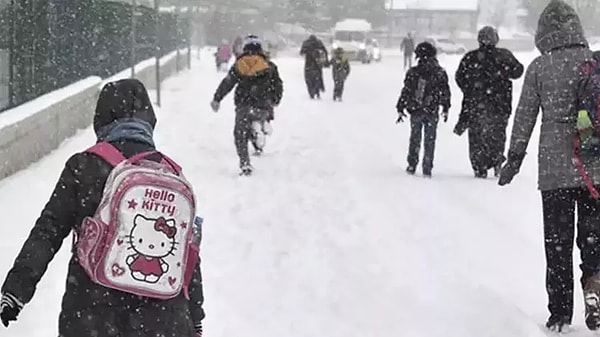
(552, 83)
(142, 283)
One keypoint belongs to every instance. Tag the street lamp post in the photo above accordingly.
(391, 26)
(190, 20)
(178, 35)
(133, 38)
(157, 50)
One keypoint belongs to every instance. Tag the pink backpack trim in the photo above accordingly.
(107, 152)
(113, 156)
(587, 180)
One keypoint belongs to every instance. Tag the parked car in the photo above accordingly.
(446, 45)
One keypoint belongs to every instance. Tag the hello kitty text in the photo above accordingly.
(159, 201)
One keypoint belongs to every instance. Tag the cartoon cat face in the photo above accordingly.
(153, 237)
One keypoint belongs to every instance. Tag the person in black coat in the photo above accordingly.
(124, 117)
(259, 89)
(340, 69)
(315, 58)
(484, 76)
(425, 90)
(408, 47)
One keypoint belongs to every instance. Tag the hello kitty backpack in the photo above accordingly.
(144, 238)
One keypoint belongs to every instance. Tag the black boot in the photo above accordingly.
(481, 174)
(246, 169)
(591, 293)
(497, 170)
(411, 170)
(558, 323)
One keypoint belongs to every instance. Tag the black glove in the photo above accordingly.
(461, 127)
(198, 329)
(401, 115)
(10, 307)
(510, 169)
(215, 106)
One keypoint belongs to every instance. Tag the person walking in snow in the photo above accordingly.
(223, 55)
(125, 119)
(315, 58)
(258, 89)
(484, 76)
(340, 69)
(238, 44)
(551, 83)
(426, 89)
(408, 47)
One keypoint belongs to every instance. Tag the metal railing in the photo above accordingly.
(48, 44)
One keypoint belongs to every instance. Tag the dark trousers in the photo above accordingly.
(559, 230)
(242, 131)
(338, 89)
(408, 60)
(314, 81)
(487, 141)
(420, 123)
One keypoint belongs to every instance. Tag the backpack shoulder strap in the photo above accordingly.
(173, 164)
(107, 152)
(164, 160)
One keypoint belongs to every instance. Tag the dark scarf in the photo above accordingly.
(127, 129)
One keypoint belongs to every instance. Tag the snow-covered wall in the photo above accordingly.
(33, 129)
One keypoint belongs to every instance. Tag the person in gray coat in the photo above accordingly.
(551, 83)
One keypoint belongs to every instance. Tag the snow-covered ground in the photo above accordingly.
(330, 237)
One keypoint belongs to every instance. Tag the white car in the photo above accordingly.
(446, 45)
(354, 44)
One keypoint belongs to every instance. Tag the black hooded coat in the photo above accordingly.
(313, 50)
(485, 77)
(89, 309)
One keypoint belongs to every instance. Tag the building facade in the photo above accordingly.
(434, 17)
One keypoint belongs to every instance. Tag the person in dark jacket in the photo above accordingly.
(125, 118)
(408, 47)
(425, 89)
(340, 69)
(259, 89)
(238, 44)
(551, 83)
(315, 58)
(484, 76)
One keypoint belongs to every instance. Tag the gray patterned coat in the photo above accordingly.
(551, 84)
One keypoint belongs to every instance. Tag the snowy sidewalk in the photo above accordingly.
(330, 237)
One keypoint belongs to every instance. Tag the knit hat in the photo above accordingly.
(252, 44)
(488, 36)
(425, 50)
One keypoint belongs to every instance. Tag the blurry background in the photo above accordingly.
(47, 44)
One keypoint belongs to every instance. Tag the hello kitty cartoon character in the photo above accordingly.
(152, 240)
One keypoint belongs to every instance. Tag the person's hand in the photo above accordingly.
(198, 329)
(401, 116)
(214, 105)
(510, 169)
(10, 307)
